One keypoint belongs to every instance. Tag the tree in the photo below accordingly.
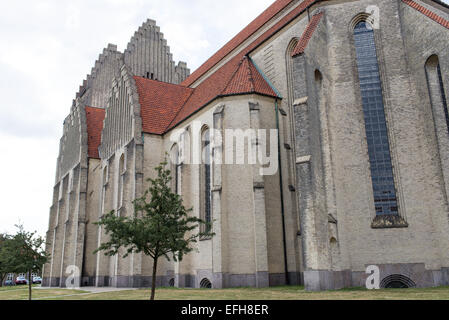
(4, 257)
(160, 227)
(26, 254)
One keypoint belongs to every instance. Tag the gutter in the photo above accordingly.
(281, 185)
(281, 179)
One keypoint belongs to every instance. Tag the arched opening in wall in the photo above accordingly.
(334, 252)
(290, 98)
(289, 67)
(122, 164)
(205, 179)
(103, 190)
(397, 281)
(318, 80)
(288, 124)
(171, 283)
(121, 172)
(436, 89)
(319, 88)
(205, 284)
(377, 133)
(175, 168)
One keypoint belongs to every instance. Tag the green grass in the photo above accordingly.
(277, 293)
(21, 293)
(12, 288)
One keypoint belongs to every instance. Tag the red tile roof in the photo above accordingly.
(247, 79)
(255, 25)
(165, 105)
(159, 102)
(94, 119)
(216, 83)
(307, 35)
(427, 12)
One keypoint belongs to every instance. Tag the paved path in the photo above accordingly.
(91, 290)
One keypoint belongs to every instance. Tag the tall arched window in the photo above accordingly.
(103, 190)
(206, 210)
(385, 198)
(121, 172)
(175, 169)
(436, 88)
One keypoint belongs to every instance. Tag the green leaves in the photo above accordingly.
(23, 252)
(160, 226)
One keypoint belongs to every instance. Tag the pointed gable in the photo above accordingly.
(247, 79)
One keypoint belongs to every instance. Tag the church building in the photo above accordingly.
(345, 103)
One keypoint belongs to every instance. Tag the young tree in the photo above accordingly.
(160, 227)
(4, 257)
(27, 254)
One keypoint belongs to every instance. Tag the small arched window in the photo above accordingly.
(436, 88)
(206, 210)
(289, 67)
(385, 198)
(205, 284)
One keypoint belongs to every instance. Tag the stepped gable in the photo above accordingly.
(95, 88)
(148, 55)
(163, 106)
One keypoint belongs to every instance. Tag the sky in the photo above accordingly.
(47, 47)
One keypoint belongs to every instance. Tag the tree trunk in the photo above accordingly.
(2, 277)
(153, 284)
(30, 284)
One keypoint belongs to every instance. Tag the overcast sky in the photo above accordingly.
(47, 48)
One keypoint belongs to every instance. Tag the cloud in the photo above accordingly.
(48, 47)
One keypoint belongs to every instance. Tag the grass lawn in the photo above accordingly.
(277, 293)
(21, 293)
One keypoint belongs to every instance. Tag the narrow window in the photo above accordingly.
(103, 191)
(375, 122)
(121, 173)
(176, 169)
(206, 178)
(443, 95)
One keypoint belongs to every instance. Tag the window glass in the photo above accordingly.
(376, 127)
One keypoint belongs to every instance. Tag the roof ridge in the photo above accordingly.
(307, 34)
(180, 109)
(231, 78)
(212, 86)
(86, 106)
(238, 39)
(168, 83)
(428, 13)
(251, 76)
